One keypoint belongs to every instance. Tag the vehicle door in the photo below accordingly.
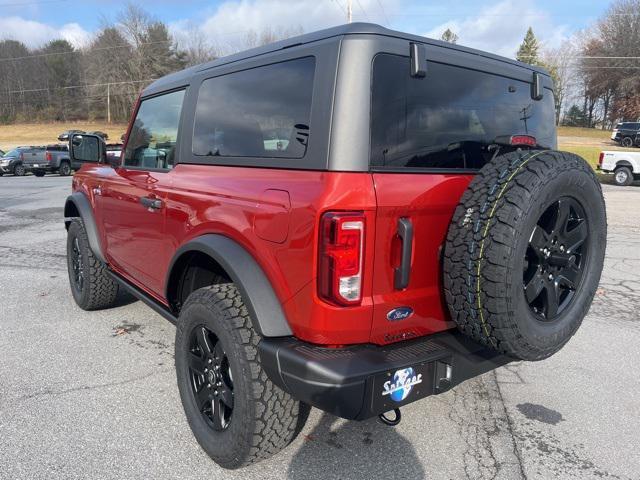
(132, 201)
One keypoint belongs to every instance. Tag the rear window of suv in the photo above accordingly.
(261, 112)
(445, 119)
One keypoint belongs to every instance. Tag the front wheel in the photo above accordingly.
(623, 176)
(91, 286)
(236, 413)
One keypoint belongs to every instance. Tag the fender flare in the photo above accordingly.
(79, 202)
(624, 163)
(256, 290)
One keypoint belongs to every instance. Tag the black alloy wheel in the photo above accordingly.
(211, 378)
(77, 265)
(555, 258)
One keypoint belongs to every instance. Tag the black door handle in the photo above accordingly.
(402, 273)
(151, 203)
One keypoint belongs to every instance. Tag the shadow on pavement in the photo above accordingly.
(336, 448)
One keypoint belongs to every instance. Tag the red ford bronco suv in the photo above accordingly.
(352, 219)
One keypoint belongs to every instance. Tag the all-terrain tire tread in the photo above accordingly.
(278, 416)
(480, 242)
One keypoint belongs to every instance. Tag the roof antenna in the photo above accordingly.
(349, 11)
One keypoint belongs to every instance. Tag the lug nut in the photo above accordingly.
(206, 370)
(550, 276)
(215, 392)
(208, 385)
(209, 361)
(562, 248)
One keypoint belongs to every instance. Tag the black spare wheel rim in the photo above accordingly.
(555, 259)
(77, 265)
(211, 378)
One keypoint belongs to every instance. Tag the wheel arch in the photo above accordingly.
(241, 268)
(624, 163)
(78, 206)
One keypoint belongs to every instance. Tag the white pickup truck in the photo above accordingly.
(625, 166)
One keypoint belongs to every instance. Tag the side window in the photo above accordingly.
(261, 112)
(152, 142)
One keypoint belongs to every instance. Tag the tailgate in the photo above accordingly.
(413, 215)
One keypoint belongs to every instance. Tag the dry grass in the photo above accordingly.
(45, 133)
(584, 132)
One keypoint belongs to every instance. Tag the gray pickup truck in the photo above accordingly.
(21, 160)
(53, 159)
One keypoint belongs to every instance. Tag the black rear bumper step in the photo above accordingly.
(362, 381)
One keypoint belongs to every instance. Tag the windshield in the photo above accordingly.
(449, 117)
(13, 153)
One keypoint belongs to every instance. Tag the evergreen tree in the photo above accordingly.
(528, 51)
(449, 36)
(575, 117)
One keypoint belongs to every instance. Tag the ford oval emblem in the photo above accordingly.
(399, 313)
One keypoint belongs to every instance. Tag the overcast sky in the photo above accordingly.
(495, 26)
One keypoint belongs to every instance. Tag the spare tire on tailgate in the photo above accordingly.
(524, 252)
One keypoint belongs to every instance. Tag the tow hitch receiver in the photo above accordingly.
(388, 421)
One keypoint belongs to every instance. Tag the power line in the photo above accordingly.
(383, 12)
(363, 10)
(25, 4)
(71, 87)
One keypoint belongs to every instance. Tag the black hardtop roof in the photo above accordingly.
(182, 77)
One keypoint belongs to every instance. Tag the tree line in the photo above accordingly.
(59, 82)
(596, 72)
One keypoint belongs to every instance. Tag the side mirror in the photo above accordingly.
(87, 148)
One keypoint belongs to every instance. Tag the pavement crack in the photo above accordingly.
(49, 392)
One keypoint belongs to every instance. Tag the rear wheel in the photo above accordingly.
(623, 176)
(524, 252)
(19, 170)
(65, 169)
(627, 142)
(235, 412)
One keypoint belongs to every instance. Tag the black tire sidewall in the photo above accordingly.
(626, 140)
(76, 230)
(550, 336)
(226, 446)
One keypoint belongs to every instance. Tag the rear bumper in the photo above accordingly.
(361, 381)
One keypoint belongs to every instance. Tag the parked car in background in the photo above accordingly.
(100, 134)
(627, 134)
(8, 161)
(64, 136)
(625, 166)
(54, 159)
(20, 160)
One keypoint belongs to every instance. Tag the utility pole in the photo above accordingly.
(349, 11)
(108, 103)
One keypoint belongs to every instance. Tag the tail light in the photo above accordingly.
(600, 159)
(517, 140)
(47, 156)
(341, 257)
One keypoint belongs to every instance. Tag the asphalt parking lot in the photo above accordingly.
(93, 395)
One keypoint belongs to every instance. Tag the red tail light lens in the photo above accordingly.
(601, 158)
(341, 257)
(527, 140)
(47, 156)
